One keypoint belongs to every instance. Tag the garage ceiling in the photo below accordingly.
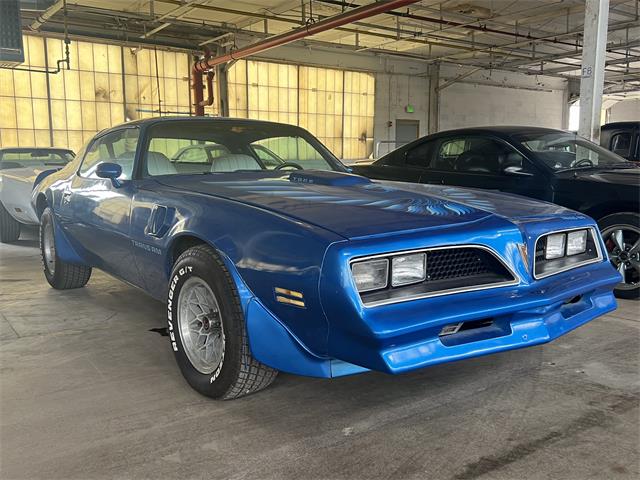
(532, 37)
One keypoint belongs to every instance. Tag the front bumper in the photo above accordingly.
(406, 336)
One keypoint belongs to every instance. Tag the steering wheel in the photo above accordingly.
(290, 165)
(585, 162)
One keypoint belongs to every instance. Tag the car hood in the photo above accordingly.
(622, 176)
(354, 206)
(27, 173)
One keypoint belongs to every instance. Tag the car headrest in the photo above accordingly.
(512, 159)
(159, 164)
(233, 162)
(476, 161)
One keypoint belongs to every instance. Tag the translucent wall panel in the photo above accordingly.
(237, 83)
(109, 84)
(359, 97)
(89, 96)
(272, 92)
(148, 95)
(24, 112)
(94, 94)
(321, 105)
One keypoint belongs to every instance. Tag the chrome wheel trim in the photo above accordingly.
(623, 245)
(200, 326)
(49, 248)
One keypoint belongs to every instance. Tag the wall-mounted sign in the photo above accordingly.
(409, 109)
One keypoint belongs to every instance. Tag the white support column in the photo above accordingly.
(596, 19)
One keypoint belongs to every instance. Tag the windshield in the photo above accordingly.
(568, 151)
(34, 158)
(184, 147)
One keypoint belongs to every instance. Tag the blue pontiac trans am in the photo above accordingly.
(298, 265)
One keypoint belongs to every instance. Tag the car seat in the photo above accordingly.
(233, 162)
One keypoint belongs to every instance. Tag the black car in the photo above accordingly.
(542, 163)
(622, 138)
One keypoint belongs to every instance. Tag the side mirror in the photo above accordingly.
(112, 171)
(516, 172)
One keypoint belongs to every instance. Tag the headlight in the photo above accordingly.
(576, 242)
(554, 247)
(561, 251)
(371, 274)
(408, 269)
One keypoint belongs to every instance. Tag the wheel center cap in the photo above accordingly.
(206, 324)
(624, 256)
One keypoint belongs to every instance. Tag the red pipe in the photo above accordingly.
(335, 21)
(209, 100)
(198, 91)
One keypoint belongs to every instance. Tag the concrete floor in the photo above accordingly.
(88, 391)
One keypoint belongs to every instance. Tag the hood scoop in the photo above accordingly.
(322, 177)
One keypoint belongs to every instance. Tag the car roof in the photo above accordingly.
(155, 120)
(628, 124)
(29, 149)
(501, 130)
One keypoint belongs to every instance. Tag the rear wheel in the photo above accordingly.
(9, 226)
(60, 274)
(207, 328)
(621, 234)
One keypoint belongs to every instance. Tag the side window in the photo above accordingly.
(448, 152)
(418, 156)
(116, 147)
(621, 144)
(480, 155)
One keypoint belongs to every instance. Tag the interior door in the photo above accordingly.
(488, 163)
(406, 131)
(100, 211)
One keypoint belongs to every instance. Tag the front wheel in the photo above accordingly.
(621, 234)
(207, 328)
(61, 275)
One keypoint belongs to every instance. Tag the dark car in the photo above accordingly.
(542, 163)
(622, 138)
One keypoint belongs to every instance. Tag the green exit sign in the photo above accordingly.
(409, 109)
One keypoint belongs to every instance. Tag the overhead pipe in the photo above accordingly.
(469, 26)
(47, 14)
(323, 25)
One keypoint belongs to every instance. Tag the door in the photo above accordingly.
(485, 162)
(406, 131)
(99, 211)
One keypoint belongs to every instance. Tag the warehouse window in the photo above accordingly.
(272, 92)
(148, 95)
(336, 106)
(24, 111)
(321, 97)
(358, 114)
(94, 94)
(109, 84)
